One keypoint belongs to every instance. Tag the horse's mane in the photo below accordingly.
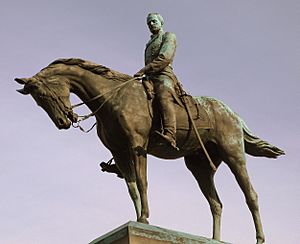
(94, 68)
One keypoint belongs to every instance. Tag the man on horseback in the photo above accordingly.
(159, 55)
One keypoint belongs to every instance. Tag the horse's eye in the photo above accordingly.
(42, 95)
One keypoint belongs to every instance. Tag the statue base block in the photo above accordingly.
(138, 233)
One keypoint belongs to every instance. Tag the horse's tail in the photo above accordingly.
(258, 147)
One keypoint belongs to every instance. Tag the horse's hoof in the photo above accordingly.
(260, 242)
(143, 220)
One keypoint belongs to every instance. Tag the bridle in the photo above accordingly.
(67, 111)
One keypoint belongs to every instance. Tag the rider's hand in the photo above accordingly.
(139, 74)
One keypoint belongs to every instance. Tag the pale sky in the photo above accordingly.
(245, 53)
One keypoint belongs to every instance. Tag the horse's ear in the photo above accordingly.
(23, 91)
(22, 81)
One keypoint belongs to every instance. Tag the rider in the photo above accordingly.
(159, 54)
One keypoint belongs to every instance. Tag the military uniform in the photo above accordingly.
(159, 55)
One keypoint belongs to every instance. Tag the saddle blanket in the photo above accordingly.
(199, 115)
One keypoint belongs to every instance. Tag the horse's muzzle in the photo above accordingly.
(63, 124)
(73, 117)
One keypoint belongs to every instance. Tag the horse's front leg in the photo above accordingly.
(135, 196)
(140, 161)
(124, 164)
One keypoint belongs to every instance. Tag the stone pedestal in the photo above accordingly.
(138, 233)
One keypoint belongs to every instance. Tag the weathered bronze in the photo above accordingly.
(126, 122)
(159, 55)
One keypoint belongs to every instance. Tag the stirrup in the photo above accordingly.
(110, 168)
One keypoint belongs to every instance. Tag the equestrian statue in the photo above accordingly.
(153, 117)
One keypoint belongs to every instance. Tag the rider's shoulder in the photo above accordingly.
(169, 35)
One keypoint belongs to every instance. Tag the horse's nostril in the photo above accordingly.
(60, 121)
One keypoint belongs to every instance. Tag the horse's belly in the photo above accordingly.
(186, 141)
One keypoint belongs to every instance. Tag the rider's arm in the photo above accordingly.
(165, 56)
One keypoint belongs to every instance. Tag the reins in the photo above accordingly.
(117, 88)
(85, 117)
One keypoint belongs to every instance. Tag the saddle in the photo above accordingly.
(181, 101)
(199, 114)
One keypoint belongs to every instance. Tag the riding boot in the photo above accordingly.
(168, 120)
(111, 168)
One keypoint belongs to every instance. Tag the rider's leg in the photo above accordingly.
(164, 90)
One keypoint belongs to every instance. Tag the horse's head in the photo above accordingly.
(52, 94)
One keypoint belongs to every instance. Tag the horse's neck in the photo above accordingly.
(87, 85)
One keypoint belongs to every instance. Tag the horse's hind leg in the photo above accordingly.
(236, 161)
(201, 170)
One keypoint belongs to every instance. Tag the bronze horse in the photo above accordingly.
(124, 125)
